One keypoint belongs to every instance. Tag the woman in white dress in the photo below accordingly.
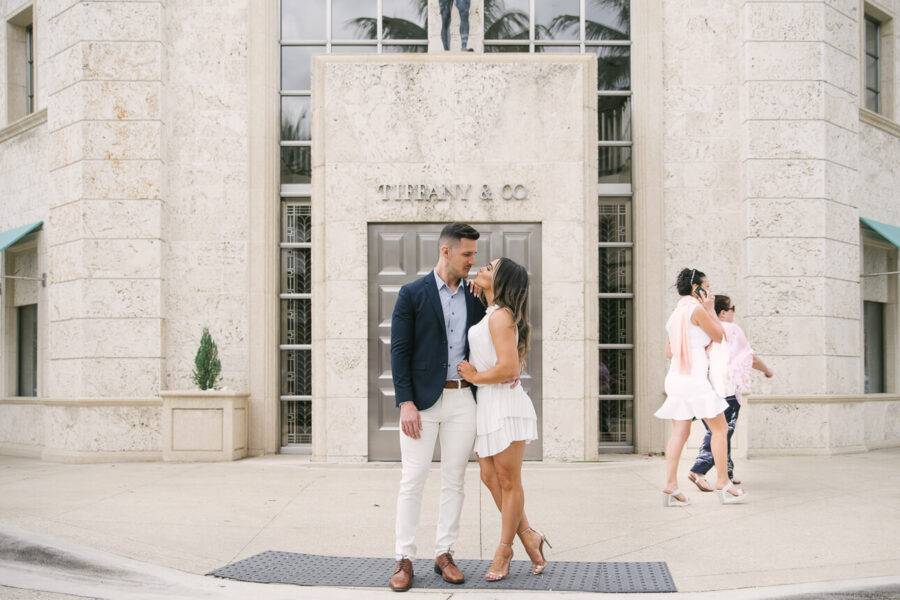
(691, 328)
(506, 419)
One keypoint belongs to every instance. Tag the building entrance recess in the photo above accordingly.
(401, 253)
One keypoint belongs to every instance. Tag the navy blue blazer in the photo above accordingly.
(419, 353)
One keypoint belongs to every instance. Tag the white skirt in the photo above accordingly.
(690, 396)
(504, 416)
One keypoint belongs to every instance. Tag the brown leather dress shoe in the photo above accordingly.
(402, 578)
(446, 568)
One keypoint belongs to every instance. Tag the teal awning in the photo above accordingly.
(889, 232)
(11, 236)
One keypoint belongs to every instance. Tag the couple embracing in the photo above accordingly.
(447, 346)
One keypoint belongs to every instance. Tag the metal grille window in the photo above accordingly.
(873, 60)
(616, 323)
(296, 321)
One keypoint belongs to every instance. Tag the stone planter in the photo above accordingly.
(204, 425)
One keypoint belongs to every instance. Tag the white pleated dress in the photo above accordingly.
(504, 415)
(691, 395)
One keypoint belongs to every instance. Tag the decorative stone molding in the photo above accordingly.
(802, 399)
(204, 425)
(24, 124)
(880, 121)
(82, 401)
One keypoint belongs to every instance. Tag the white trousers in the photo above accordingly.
(453, 419)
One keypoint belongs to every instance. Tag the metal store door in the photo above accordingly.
(399, 254)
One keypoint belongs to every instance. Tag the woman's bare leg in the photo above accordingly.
(508, 466)
(530, 540)
(680, 432)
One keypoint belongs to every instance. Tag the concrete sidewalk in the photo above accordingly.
(809, 520)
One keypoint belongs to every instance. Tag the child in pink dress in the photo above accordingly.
(741, 359)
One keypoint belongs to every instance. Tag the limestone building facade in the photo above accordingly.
(274, 170)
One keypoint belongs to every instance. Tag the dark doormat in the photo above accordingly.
(341, 571)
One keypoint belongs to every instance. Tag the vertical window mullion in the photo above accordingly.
(379, 25)
(328, 26)
(29, 71)
(531, 17)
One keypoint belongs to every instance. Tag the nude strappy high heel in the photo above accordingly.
(494, 576)
(536, 568)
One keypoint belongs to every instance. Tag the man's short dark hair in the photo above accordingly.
(452, 233)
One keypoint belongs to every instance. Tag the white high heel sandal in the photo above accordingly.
(726, 497)
(670, 499)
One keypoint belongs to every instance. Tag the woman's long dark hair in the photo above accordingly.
(510, 287)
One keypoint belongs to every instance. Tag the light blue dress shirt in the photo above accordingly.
(454, 306)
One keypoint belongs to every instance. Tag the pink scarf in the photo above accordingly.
(679, 334)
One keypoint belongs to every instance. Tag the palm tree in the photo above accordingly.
(599, 31)
(393, 28)
(295, 159)
(502, 24)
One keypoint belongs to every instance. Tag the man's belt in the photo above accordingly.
(455, 384)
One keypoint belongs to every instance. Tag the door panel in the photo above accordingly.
(400, 254)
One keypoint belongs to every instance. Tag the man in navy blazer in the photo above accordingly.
(429, 337)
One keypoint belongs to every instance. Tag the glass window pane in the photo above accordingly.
(296, 322)
(557, 20)
(295, 118)
(616, 372)
(615, 220)
(613, 67)
(397, 48)
(871, 36)
(354, 49)
(296, 164)
(491, 48)
(615, 272)
(296, 270)
(614, 118)
(616, 421)
(570, 49)
(873, 340)
(614, 164)
(296, 226)
(302, 20)
(296, 422)
(506, 20)
(354, 20)
(295, 66)
(607, 19)
(872, 101)
(872, 73)
(27, 350)
(404, 20)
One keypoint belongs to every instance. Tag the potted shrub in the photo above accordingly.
(206, 424)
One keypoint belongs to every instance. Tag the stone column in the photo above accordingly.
(104, 236)
(476, 27)
(801, 80)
